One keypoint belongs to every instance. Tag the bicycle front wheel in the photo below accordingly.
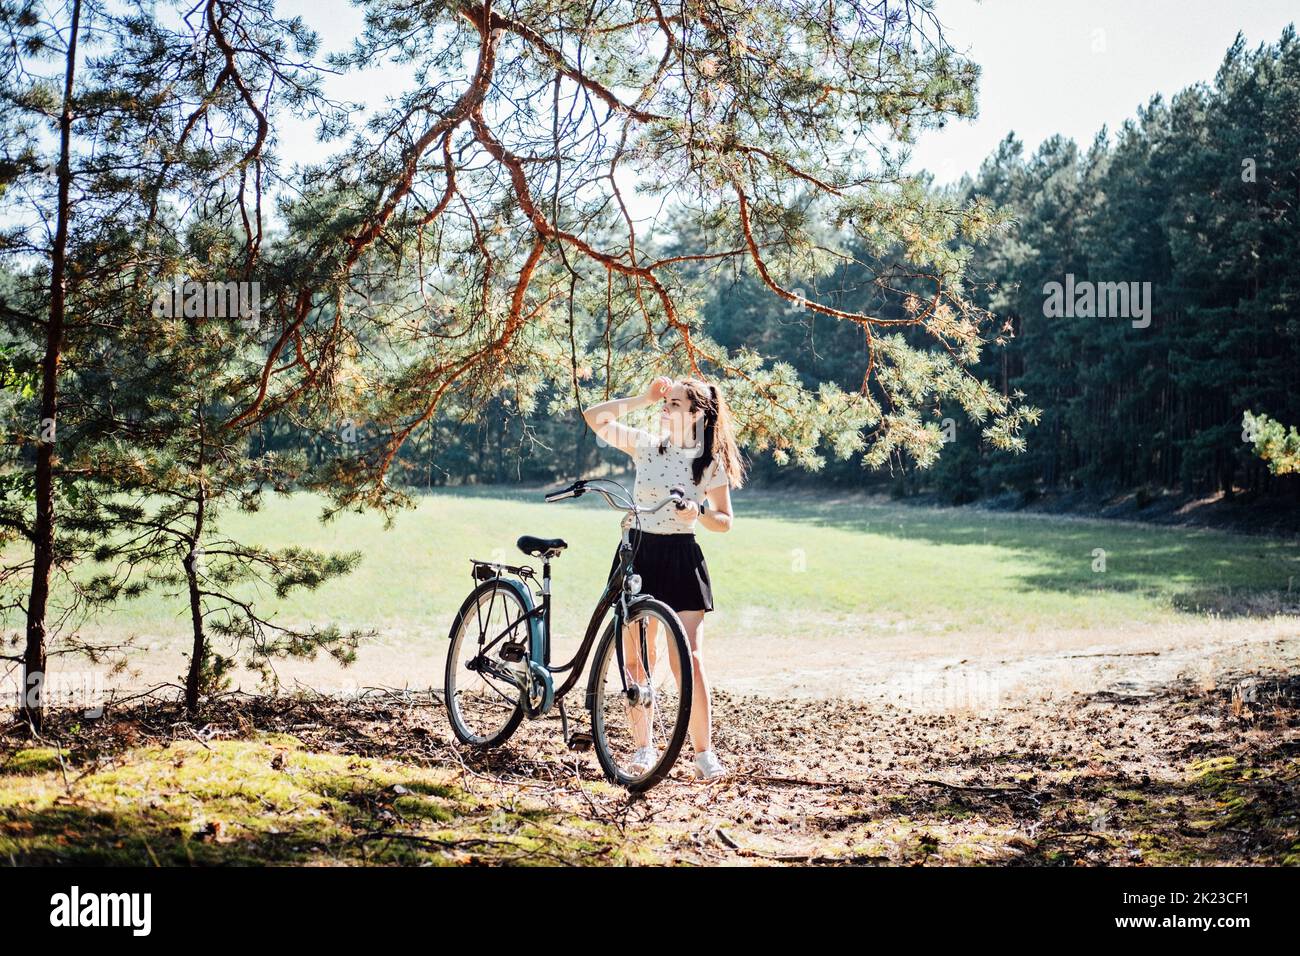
(640, 692)
(487, 666)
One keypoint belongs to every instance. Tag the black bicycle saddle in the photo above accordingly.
(544, 546)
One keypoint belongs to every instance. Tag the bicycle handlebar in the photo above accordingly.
(676, 495)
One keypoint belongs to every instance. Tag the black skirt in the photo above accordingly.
(672, 569)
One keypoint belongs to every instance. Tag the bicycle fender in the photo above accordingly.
(536, 644)
(535, 635)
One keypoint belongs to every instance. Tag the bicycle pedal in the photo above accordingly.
(581, 740)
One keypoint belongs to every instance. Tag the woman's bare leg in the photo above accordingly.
(701, 706)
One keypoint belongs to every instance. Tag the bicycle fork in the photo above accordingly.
(581, 739)
(632, 696)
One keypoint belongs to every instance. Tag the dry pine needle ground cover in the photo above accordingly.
(1185, 773)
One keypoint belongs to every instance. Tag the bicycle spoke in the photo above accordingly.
(515, 687)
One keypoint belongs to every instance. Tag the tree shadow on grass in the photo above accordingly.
(1192, 570)
(1196, 571)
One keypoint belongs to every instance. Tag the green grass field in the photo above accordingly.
(800, 560)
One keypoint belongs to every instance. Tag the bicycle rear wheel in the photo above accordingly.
(487, 666)
(640, 694)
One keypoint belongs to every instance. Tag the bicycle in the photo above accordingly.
(629, 695)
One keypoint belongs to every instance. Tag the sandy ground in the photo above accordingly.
(853, 658)
(977, 671)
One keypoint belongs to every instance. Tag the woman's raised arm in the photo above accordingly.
(604, 417)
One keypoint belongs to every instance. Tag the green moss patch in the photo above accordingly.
(269, 800)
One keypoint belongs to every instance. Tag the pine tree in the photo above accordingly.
(488, 209)
(158, 129)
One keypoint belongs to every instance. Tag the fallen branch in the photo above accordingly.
(978, 788)
(802, 782)
(1124, 654)
(730, 843)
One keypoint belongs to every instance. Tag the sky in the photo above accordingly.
(1049, 66)
(1071, 67)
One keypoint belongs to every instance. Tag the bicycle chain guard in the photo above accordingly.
(541, 691)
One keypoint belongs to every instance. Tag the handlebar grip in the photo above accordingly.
(573, 491)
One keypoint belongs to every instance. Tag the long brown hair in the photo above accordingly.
(719, 432)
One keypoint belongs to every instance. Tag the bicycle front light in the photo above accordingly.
(633, 583)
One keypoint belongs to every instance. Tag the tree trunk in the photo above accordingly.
(199, 650)
(43, 531)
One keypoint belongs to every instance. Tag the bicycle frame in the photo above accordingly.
(538, 616)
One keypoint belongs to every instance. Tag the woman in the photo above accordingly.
(696, 447)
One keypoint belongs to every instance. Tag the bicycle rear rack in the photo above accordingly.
(485, 570)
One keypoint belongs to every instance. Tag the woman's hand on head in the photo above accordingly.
(658, 389)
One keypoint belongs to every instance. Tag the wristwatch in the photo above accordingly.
(704, 506)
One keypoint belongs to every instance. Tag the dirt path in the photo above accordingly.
(977, 670)
(853, 656)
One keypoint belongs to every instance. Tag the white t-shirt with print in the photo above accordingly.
(657, 473)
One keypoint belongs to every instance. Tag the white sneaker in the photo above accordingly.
(643, 760)
(708, 767)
